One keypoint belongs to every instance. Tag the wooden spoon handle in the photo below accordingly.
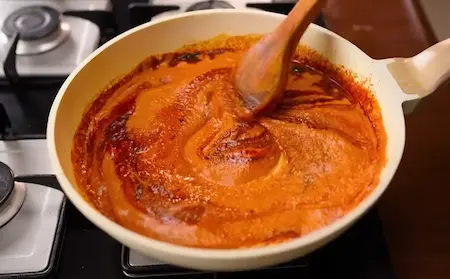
(292, 29)
(261, 74)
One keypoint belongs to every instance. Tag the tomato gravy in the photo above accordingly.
(161, 153)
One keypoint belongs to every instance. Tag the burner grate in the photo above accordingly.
(282, 8)
(136, 265)
(30, 243)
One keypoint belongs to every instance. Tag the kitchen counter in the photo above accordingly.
(415, 209)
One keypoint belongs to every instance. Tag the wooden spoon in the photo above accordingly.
(261, 75)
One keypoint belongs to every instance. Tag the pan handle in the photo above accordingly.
(422, 74)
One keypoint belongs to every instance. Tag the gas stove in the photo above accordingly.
(41, 234)
(49, 43)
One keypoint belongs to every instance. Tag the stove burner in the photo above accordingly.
(206, 5)
(12, 195)
(45, 44)
(6, 182)
(32, 23)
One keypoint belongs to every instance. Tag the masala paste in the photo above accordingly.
(161, 153)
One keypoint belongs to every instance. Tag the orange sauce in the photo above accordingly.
(161, 153)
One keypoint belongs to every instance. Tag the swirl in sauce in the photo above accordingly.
(160, 152)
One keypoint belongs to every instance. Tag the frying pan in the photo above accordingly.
(394, 82)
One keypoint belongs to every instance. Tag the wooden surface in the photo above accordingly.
(415, 209)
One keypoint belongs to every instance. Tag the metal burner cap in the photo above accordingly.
(206, 5)
(32, 22)
(6, 182)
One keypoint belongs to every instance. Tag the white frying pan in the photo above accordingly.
(394, 81)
